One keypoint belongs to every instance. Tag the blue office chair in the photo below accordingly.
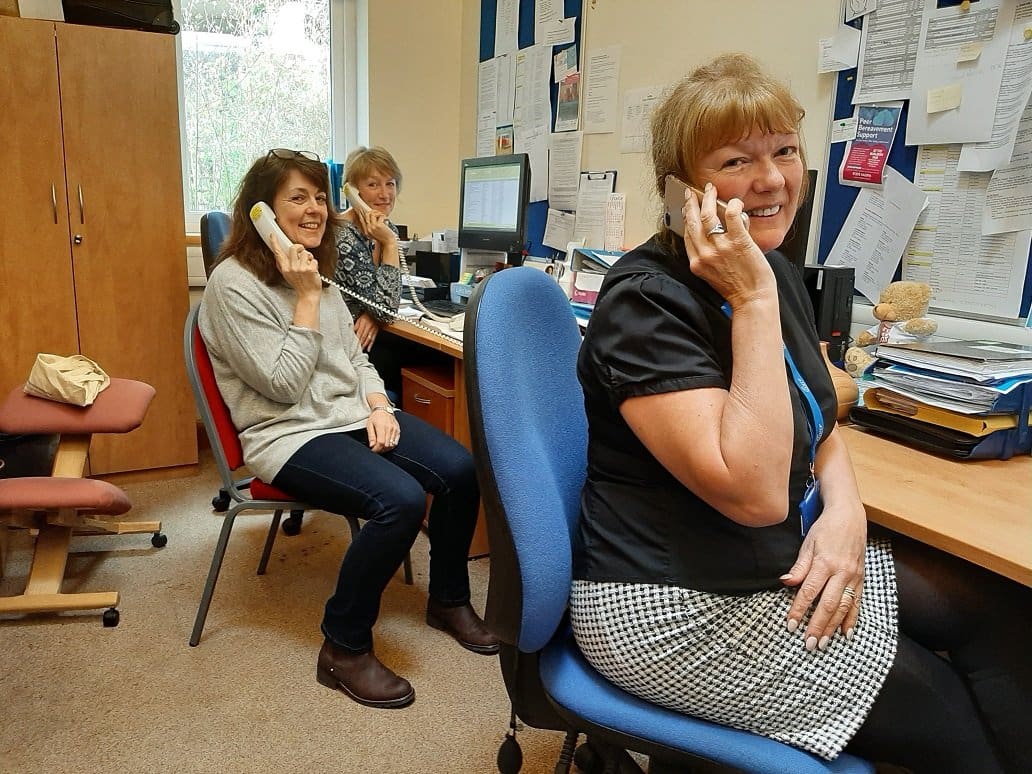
(215, 227)
(529, 437)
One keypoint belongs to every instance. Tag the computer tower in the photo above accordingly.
(831, 293)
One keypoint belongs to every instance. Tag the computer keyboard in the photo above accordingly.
(444, 306)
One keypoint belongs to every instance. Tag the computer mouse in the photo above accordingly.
(457, 322)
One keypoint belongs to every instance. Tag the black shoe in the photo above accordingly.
(462, 623)
(362, 677)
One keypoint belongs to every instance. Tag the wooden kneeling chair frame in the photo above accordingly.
(66, 504)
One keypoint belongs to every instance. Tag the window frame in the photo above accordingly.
(349, 102)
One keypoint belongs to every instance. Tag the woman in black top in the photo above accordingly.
(698, 583)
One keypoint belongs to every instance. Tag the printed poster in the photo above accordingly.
(863, 163)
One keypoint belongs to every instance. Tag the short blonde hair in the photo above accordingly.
(715, 104)
(363, 161)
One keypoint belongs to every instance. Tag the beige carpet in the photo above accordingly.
(76, 697)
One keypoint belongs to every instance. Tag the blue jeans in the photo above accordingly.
(339, 473)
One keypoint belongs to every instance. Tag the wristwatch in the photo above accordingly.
(386, 407)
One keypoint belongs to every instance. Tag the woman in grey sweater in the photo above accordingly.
(314, 421)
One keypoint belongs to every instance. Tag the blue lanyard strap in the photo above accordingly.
(814, 417)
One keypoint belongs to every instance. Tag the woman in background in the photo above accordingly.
(370, 263)
(704, 581)
(314, 421)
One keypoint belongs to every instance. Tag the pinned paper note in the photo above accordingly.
(843, 129)
(945, 98)
(969, 52)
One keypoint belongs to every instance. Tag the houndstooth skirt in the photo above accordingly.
(730, 659)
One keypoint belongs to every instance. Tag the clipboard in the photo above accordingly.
(593, 192)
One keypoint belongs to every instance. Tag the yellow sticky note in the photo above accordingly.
(944, 98)
(969, 52)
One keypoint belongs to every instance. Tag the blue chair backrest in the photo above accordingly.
(530, 444)
(215, 227)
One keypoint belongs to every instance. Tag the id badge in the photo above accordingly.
(810, 506)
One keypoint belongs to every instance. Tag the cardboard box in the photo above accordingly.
(8, 7)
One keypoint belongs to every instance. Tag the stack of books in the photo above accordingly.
(965, 398)
(589, 267)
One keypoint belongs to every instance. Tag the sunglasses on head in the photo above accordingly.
(287, 153)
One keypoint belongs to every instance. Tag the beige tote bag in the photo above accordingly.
(73, 379)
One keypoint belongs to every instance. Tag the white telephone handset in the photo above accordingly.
(355, 200)
(264, 220)
(268, 229)
(364, 209)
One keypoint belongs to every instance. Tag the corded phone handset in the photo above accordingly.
(264, 221)
(359, 204)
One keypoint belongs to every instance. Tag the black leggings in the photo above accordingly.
(959, 695)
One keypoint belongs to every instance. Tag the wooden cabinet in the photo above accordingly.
(428, 392)
(92, 238)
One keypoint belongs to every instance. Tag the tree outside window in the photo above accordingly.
(256, 75)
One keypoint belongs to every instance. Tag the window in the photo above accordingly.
(256, 76)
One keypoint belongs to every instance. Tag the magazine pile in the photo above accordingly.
(589, 267)
(965, 399)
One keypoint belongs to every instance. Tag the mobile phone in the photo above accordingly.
(264, 220)
(673, 199)
(356, 201)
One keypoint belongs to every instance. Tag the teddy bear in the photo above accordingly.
(900, 313)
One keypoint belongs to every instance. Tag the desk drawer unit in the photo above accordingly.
(428, 392)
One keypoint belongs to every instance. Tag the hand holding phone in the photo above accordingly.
(673, 199)
(297, 269)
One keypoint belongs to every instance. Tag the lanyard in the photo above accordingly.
(814, 417)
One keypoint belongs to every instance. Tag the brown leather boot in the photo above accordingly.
(362, 677)
(464, 625)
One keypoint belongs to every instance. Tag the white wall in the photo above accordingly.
(420, 97)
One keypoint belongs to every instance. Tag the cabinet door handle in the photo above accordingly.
(82, 209)
(420, 399)
(53, 201)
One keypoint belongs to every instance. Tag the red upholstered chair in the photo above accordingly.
(246, 493)
(66, 504)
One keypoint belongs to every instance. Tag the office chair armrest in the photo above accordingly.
(45, 493)
(117, 409)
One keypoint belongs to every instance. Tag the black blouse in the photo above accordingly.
(657, 328)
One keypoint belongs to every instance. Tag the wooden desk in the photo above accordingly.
(451, 347)
(980, 510)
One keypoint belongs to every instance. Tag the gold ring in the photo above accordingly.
(849, 591)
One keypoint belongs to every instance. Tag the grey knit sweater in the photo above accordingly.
(284, 385)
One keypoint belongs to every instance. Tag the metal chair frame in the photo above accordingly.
(245, 493)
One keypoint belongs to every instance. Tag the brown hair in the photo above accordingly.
(260, 184)
(715, 104)
(363, 161)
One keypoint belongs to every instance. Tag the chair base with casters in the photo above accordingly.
(241, 493)
(65, 504)
(532, 513)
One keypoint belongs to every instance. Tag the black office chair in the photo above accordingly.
(529, 436)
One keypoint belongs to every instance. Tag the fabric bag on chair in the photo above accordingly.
(73, 379)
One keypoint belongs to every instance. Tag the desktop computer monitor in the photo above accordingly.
(494, 195)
